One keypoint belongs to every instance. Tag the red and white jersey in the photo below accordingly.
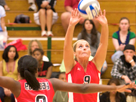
(79, 76)
(45, 94)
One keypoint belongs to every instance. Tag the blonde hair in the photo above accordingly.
(29, 46)
(75, 44)
(131, 99)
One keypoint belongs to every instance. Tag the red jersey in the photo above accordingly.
(45, 94)
(79, 76)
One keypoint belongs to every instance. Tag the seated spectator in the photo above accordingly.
(3, 3)
(65, 17)
(44, 68)
(113, 96)
(131, 98)
(3, 32)
(125, 67)
(2, 19)
(8, 67)
(46, 16)
(33, 44)
(59, 95)
(122, 37)
(92, 36)
(32, 5)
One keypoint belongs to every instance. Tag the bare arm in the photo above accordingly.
(132, 41)
(69, 8)
(12, 85)
(44, 4)
(1, 69)
(68, 53)
(116, 44)
(86, 88)
(49, 72)
(100, 56)
(3, 24)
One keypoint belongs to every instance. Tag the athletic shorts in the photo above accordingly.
(37, 21)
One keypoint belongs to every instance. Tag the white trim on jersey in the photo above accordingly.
(71, 99)
(98, 94)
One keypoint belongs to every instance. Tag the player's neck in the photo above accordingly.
(84, 64)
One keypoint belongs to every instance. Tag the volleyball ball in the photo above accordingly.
(88, 9)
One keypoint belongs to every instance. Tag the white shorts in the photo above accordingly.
(37, 21)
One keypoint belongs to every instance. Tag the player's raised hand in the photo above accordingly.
(75, 17)
(124, 88)
(101, 18)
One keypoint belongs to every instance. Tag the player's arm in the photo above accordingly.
(88, 88)
(10, 84)
(100, 56)
(68, 53)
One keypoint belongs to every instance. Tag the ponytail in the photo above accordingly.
(27, 67)
(31, 80)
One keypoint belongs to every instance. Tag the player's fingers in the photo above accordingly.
(76, 12)
(104, 12)
(100, 12)
(79, 16)
(127, 90)
(72, 13)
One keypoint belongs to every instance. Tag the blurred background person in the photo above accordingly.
(61, 96)
(113, 96)
(122, 37)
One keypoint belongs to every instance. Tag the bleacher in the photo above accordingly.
(115, 9)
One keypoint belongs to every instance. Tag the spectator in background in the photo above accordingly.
(3, 31)
(113, 96)
(2, 19)
(44, 68)
(32, 5)
(65, 17)
(125, 67)
(59, 95)
(92, 36)
(8, 67)
(131, 98)
(122, 37)
(33, 44)
(46, 16)
(3, 3)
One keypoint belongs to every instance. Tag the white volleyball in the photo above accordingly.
(88, 9)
